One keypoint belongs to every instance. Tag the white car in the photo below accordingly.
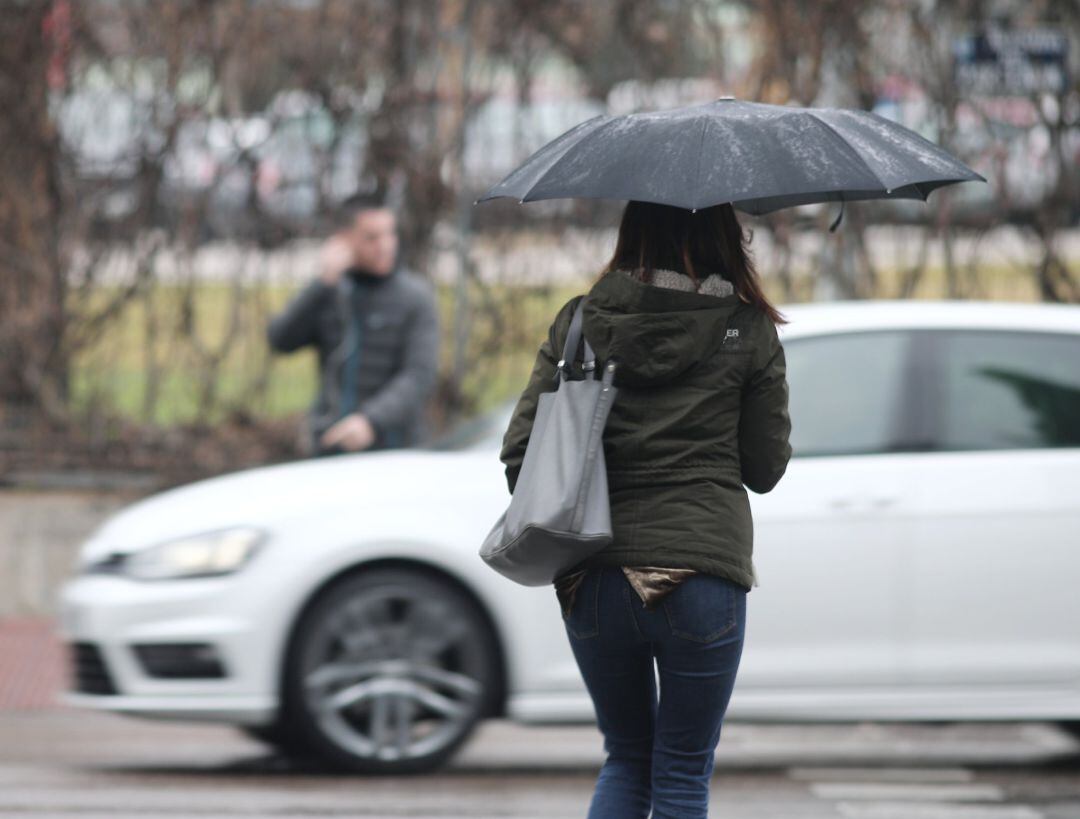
(918, 561)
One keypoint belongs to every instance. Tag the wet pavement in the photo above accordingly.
(65, 762)
(57, 761)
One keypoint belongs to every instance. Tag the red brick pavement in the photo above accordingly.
(33, 664)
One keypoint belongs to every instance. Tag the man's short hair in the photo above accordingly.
(355, 204)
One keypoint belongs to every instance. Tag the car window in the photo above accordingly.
(1008, 390)
(845, 392)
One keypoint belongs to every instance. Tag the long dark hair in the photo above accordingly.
(709, 240)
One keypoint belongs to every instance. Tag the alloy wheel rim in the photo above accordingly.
(392, 674)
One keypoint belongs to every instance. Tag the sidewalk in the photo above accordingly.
(33, 666)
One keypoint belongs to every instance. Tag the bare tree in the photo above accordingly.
(33, 368)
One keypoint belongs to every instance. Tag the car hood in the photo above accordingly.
(264, 495)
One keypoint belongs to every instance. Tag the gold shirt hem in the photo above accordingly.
(651, 583)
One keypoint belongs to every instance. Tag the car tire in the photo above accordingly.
(1071, 727)
(266, 734)
(277, 735)
(388, 671)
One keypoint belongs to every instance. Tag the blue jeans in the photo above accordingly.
(659, 754)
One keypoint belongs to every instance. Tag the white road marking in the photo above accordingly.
(909, 810)
(909, 791)
(890, 774)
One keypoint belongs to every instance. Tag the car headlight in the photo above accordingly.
(206, 554)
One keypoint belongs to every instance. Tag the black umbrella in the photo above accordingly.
(757, 156)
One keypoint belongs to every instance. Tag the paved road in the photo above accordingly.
(59, 762)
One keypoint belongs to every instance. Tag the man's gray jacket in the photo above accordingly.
(378, 344)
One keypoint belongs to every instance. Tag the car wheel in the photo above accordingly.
(266, 734)
(389, 672)
(1071, 727)
(278, 736)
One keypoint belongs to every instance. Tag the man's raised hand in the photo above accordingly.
(354, 432)
(335, 256)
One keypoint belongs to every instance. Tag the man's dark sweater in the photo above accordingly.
(377, 339)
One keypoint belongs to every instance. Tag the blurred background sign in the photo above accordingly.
(1001, 61)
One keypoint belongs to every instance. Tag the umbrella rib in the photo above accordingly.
(577, 144)
(697, 171)
(848, 145)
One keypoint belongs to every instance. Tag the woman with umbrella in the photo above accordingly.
(701, 413)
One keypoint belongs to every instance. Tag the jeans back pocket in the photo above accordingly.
(584, 618)
(702, 607)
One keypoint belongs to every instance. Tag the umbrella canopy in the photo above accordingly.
(757, 156)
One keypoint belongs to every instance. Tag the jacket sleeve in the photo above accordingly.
(406, 392)
(541, 380)
(297, 325)
(764, 423)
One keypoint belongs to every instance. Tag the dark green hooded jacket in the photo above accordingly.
(700, 416)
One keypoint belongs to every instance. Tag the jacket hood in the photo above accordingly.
(653, 333)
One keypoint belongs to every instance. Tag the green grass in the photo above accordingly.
(112, 373)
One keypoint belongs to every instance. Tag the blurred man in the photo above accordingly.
(376, 326)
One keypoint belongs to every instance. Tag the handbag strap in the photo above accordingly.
(573, 337)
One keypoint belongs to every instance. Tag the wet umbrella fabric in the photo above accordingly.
(757, 156)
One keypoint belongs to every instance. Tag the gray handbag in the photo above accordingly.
(559, 513)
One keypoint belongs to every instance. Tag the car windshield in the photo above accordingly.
(484, 432)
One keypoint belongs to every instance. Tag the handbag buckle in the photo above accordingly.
(559, 370)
